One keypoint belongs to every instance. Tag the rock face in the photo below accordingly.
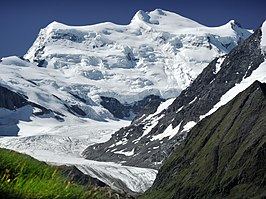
(223, 155)
(11, 100)
(122, 111)
(150, 139)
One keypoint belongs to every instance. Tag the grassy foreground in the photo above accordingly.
(24, 177)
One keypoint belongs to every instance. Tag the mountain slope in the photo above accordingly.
(223, 155)
(151, 138)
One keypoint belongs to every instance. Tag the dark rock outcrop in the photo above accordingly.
(223, 155)
(11, 100)
(74, 109)
(122, 111)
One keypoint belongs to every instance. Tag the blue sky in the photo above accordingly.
(21, 20)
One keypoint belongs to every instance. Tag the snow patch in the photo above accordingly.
(180, 109)
(189, 126)
(16, 61)
(10, 119)
(218, 64)
(126, 153)
(263, 38)
(162, 106)
(192, 101)
(168, 132)
(121, 142)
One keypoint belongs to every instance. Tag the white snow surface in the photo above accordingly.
(57, 142)
(126, 153)
(218, 64)
(159, 53)
(169, 132)
(161, 107)
(189, 126)
(263, 37)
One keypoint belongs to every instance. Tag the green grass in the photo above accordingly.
(24, 177)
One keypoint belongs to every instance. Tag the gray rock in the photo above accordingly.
(122, 111)
(11, 100)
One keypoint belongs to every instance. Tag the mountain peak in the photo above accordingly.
(162, 17)
(160, 11)
(56, 25)
(141, 16)
(95, 54)
(234, 23)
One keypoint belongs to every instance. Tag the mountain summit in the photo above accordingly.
(164, 19)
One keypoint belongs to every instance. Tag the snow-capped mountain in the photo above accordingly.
(152, 137)
(158, 53)
(73, 84)
(84, 69)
